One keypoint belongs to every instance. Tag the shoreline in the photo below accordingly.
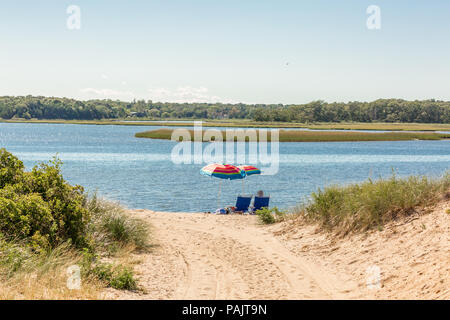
(356, 126)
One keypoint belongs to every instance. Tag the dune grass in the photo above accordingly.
(112, 226)
(316, 136)
(371, 204)
(27, 274)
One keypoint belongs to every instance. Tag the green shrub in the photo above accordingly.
(123, 279)
(40, 205)
(47, 223)
(67, 203)
(269, 216)
(11, 168)
(265, 216)
(27, 217)
(117, 277)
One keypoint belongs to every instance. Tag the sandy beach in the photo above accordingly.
(205, 256)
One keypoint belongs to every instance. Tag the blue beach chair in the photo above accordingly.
(260, 202)
(242, 203)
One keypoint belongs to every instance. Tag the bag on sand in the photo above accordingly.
(221, 211)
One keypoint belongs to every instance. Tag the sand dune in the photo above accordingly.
(203, 256)
(412, 254)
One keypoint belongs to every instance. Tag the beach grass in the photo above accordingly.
(315, 136)
(371, 204)
(114, 226)
(43, 275)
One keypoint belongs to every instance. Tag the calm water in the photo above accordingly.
(139, 172)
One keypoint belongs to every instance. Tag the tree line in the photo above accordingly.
(382, 110)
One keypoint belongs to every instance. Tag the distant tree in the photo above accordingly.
(382, 110)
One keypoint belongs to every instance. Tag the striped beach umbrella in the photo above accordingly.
(222, 171)
(249, 170)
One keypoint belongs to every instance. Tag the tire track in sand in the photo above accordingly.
(227, 257)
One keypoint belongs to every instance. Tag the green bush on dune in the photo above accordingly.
(40, 206)
(120, 278)
(269, 216)
(40, 212)
(115, 276)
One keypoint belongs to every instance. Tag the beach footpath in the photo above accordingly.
(207, 256)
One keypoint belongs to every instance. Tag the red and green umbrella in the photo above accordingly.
(249, 170)
(222, 171)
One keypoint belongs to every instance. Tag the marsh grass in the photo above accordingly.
(246, 123)
(371, 204)
(316, 136)
(381, 126)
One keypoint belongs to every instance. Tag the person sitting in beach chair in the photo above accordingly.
(260, 201)
(242, 204)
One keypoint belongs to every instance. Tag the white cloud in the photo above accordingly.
(108, 93)
(179, 95)
(185, 94)
(105, 77)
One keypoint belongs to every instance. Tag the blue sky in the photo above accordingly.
(230, 51)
